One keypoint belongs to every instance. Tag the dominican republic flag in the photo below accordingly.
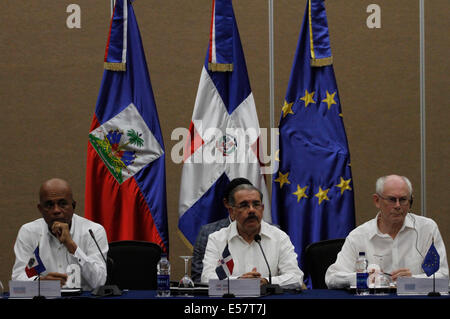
(226, 265)
(35, 265)
(223, 143)
(125, 174)
(312, 191)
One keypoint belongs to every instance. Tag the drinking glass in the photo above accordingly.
(186, 281)
(382, 280)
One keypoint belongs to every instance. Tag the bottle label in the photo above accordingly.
(361, 280)
(163, 282)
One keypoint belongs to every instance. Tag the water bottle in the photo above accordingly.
(163, 277)
(361, 274)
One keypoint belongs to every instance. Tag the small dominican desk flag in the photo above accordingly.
(226, 265)
(35, 265)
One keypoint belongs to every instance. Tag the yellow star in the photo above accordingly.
(322, 195)
(344, 185)
(308, 98)
(282, 179)
(330, 99)
(287, 108)
(277, 155)
(300, 193)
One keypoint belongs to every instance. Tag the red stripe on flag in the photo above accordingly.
(193, 142)
(211, 31)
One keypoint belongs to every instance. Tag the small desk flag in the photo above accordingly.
(431, 261)
(35, 265)
(226, 265)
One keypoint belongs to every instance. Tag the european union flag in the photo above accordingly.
(312, 191)
(431, 262)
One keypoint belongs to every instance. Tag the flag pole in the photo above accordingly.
(271, 89)
(422, 109)
(434, 293)
(112, 6)
(39, 297)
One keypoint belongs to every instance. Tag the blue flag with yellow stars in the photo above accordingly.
(312, 190)
(432, 261)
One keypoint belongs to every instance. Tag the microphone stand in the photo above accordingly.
(268, 289)
(105, 290)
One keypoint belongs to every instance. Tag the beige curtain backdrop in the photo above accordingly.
(50, 77)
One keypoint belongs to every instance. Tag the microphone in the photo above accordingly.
(98, 247)
(268, 288)
(258, 240)
(105, 290)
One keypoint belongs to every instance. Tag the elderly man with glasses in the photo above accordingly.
(396, 238)
(239, 240)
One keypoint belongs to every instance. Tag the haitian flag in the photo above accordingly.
(125, 174)
(223, 143)
(35, 265)
(312, 191)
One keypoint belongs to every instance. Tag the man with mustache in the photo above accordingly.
(400, 238)
(63, 239)
(206, 230)
(247, 208)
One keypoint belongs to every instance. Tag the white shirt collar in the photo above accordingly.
(374, 230)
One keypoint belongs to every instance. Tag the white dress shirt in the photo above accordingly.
(55, 255)
(277, 247)
(407, 250)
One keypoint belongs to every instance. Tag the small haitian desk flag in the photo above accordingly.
(125, 173)
(35, 265)
(312, 191)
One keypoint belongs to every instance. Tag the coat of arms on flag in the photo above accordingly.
(35, 265)
(226, 264)
(125, 144)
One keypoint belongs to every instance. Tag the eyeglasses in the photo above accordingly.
(49, 205)
(403, 201)
(246, 205)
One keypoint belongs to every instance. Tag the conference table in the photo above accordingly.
(320, 301)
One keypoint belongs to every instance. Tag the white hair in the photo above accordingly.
(379, 185)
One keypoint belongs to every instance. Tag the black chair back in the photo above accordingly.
(318, 257)
(133, 264)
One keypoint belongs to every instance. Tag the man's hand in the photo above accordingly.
(62, 232)
(402, 272)
(56, 276)
(251, 274)
(254, 274)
